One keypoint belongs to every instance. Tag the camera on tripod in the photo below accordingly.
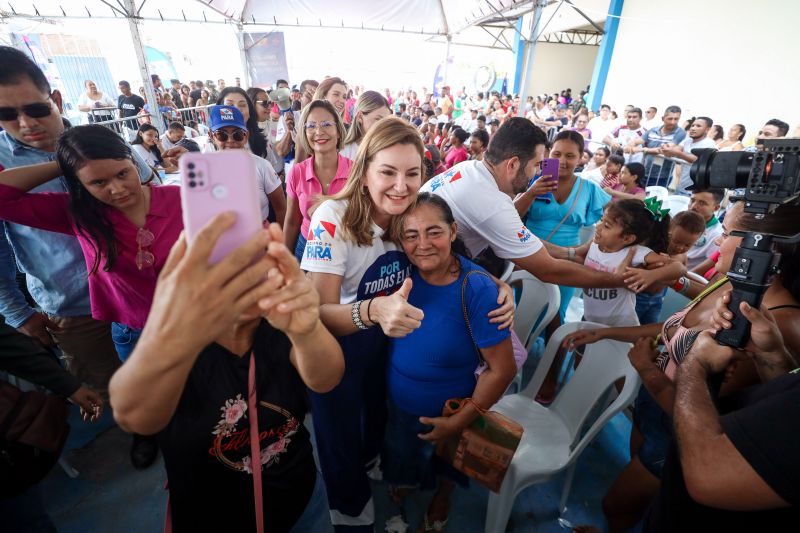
(767, 178)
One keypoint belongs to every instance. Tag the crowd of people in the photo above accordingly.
(374, 294)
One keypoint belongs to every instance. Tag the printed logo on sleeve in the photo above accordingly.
(442, 179)
(524, 235)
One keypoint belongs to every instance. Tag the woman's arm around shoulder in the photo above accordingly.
(47, 210)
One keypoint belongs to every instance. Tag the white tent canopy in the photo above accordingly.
(426, 17)
(483, 23)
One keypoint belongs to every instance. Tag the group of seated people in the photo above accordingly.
(362, 302)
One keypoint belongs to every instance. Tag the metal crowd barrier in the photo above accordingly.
(195, 117)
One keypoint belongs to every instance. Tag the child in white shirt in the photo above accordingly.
(629, 229)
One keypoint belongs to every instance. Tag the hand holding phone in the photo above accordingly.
(216, 183)
(547, 182)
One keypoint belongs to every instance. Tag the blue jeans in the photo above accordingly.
(299, 248)
(125, 339)
(409, 461)
(656, 428)
(315, 518)
(648, 306)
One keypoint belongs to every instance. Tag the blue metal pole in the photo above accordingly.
(603, 61)
(519, 58)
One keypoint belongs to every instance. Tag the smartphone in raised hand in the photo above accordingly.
(216, 183)
(550, 173)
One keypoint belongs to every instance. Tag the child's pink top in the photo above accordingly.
(304, 186)
(125, 293)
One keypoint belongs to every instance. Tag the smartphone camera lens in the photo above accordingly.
(192, 184)
(191, 174)
(191, 166)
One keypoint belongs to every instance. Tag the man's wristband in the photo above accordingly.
(682, 285)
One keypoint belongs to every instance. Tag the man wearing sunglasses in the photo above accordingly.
(53, 263)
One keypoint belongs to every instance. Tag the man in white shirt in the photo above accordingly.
(650, 121)
(480, 194)
(705, 203)
(626, 137)
(175, 132)
(697, 138)
(469, 122)
(602, 124)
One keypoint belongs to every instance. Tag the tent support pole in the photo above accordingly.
(243, 55)
(446, 59)
(530, 49)
(138, 46)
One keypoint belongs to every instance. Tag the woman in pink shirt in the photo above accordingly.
(323, 174)
(125, 229)
(457, 152)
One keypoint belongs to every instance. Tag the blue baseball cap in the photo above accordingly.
(222, 116)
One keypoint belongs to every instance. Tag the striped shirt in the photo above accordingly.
(658, 171)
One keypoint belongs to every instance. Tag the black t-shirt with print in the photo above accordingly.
(206, 445)
(130, 105)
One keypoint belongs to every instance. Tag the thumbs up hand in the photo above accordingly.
(405, 289)
(395, 315)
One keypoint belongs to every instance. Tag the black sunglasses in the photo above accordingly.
(237, 135)
(32, 110)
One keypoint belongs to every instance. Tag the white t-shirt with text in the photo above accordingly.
(611, 306)
(486, 216)
(366, 271)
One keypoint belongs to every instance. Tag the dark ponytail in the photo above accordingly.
(637, 220)
(75, 147)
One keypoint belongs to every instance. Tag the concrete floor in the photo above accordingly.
(108, 495)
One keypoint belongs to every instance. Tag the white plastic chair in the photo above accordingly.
(538, 299)
(677, 203)
(507, 271)
(662, 193)
(553, 438)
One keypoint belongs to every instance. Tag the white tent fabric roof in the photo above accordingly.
(429, 18)
(414, 16)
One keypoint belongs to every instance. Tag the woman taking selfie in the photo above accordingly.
(224, 344)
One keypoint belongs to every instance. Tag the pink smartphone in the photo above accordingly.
(215, 183)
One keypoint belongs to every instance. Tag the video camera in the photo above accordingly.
(769, 177)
